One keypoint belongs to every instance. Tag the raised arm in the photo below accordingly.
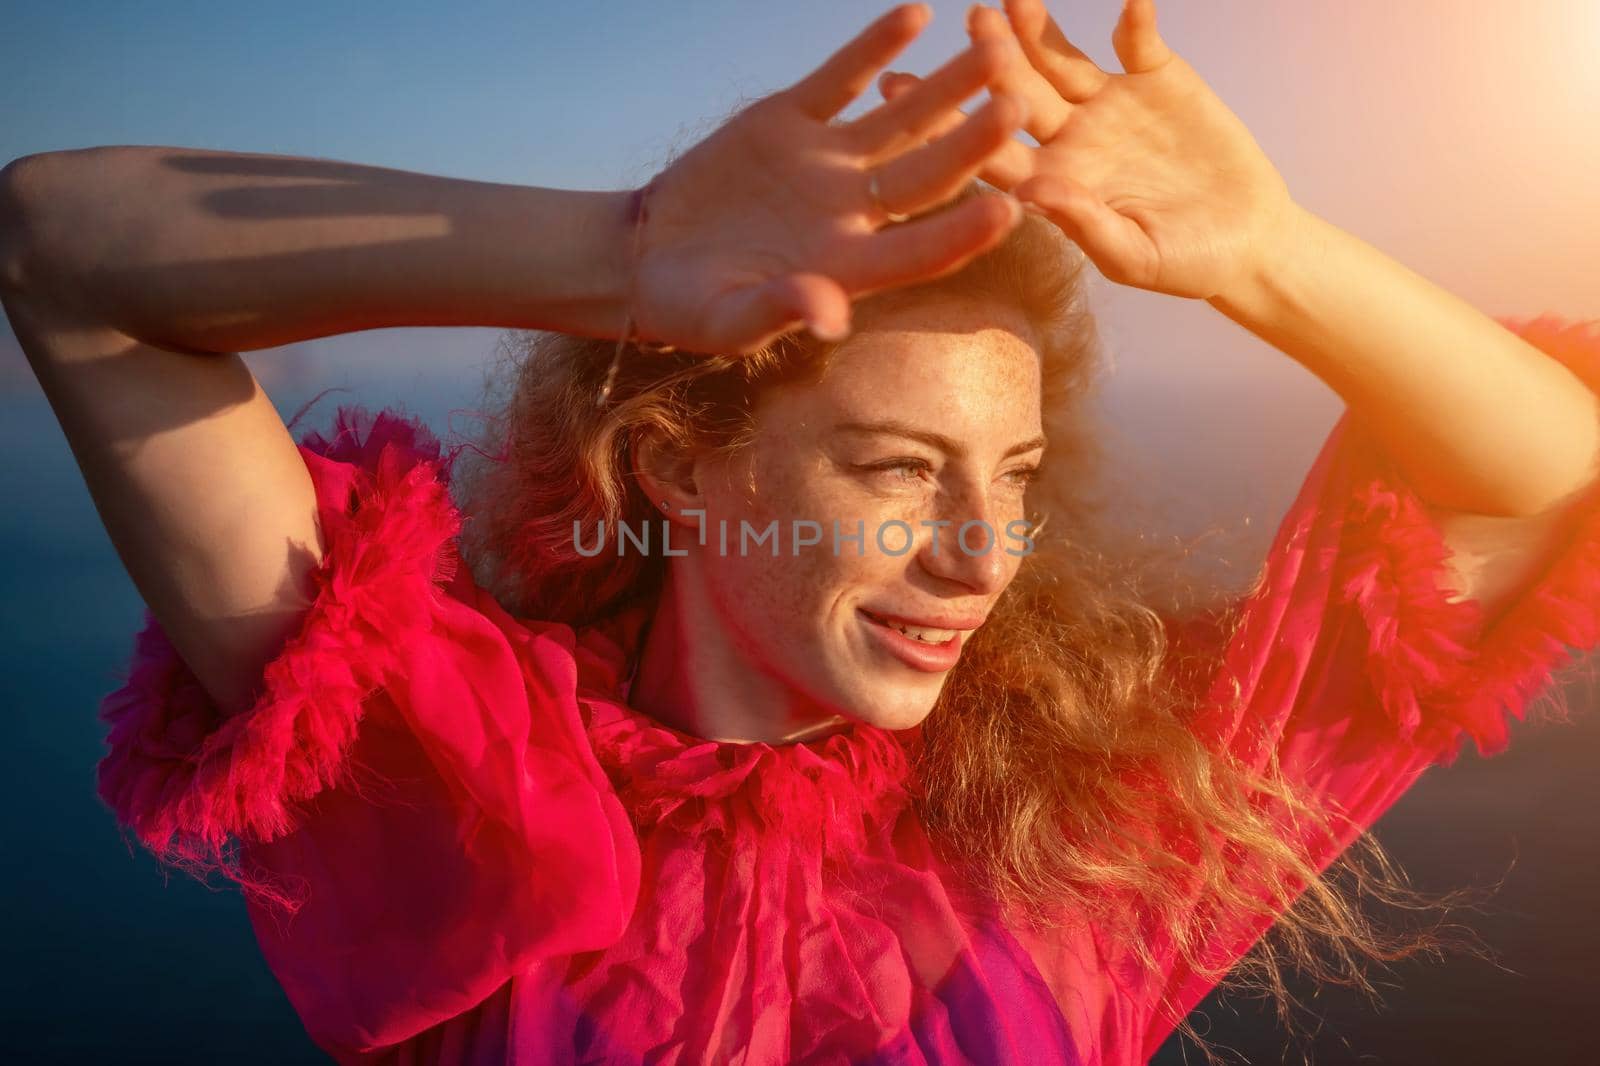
(211, 252)
(133, 276)
(136, 272)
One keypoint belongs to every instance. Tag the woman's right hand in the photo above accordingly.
(770, 222)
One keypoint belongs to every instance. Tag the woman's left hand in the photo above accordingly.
(1147, 170)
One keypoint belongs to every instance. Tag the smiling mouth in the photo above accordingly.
(921, 634)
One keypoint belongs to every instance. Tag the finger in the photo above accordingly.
(1139, 47)
(758, 314)
(893, 83)
(911, 116)
(1047, 111)
(1010, 163)
(930, 247)
(825, 91)
(1073, 74)
(930, 175)
(1118, 247)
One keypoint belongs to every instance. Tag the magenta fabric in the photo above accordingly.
(460, 844)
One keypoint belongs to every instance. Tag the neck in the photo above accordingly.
(693, 678)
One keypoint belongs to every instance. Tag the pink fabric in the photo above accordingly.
(461, 845)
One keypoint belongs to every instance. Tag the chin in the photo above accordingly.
(887, 695)
(902, 711)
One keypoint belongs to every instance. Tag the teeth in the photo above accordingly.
(927, 636)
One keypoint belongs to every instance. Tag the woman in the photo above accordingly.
(503, 789)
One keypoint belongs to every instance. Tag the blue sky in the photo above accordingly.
(552, 94)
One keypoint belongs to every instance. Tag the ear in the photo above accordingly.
(666, 474)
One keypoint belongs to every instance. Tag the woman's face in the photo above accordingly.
(927, 419)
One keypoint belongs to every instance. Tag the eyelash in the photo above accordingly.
(1029, 474)
(896, 464)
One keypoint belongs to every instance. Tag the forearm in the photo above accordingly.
(222, 251)
(1478, 419)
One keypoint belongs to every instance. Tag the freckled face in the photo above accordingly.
(929, 413)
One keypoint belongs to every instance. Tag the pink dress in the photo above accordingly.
(461, 845)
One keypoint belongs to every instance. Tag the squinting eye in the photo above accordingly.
(1026, 475)
(916, 468)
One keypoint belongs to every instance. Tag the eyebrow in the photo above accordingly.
(949, 445)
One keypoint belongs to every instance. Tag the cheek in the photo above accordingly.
(783, 607)
(787, 592)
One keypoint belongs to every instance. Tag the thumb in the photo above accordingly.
(748, 318)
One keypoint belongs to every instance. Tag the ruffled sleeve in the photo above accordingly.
(1352, 663)
(410, 804)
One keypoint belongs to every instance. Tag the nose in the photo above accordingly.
(966, 543)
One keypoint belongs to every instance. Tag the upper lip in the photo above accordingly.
(966, 621)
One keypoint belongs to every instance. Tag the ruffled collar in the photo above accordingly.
(823, 795)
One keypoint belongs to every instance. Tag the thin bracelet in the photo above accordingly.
(638, 212)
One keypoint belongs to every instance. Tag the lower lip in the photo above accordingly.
(932, 658)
